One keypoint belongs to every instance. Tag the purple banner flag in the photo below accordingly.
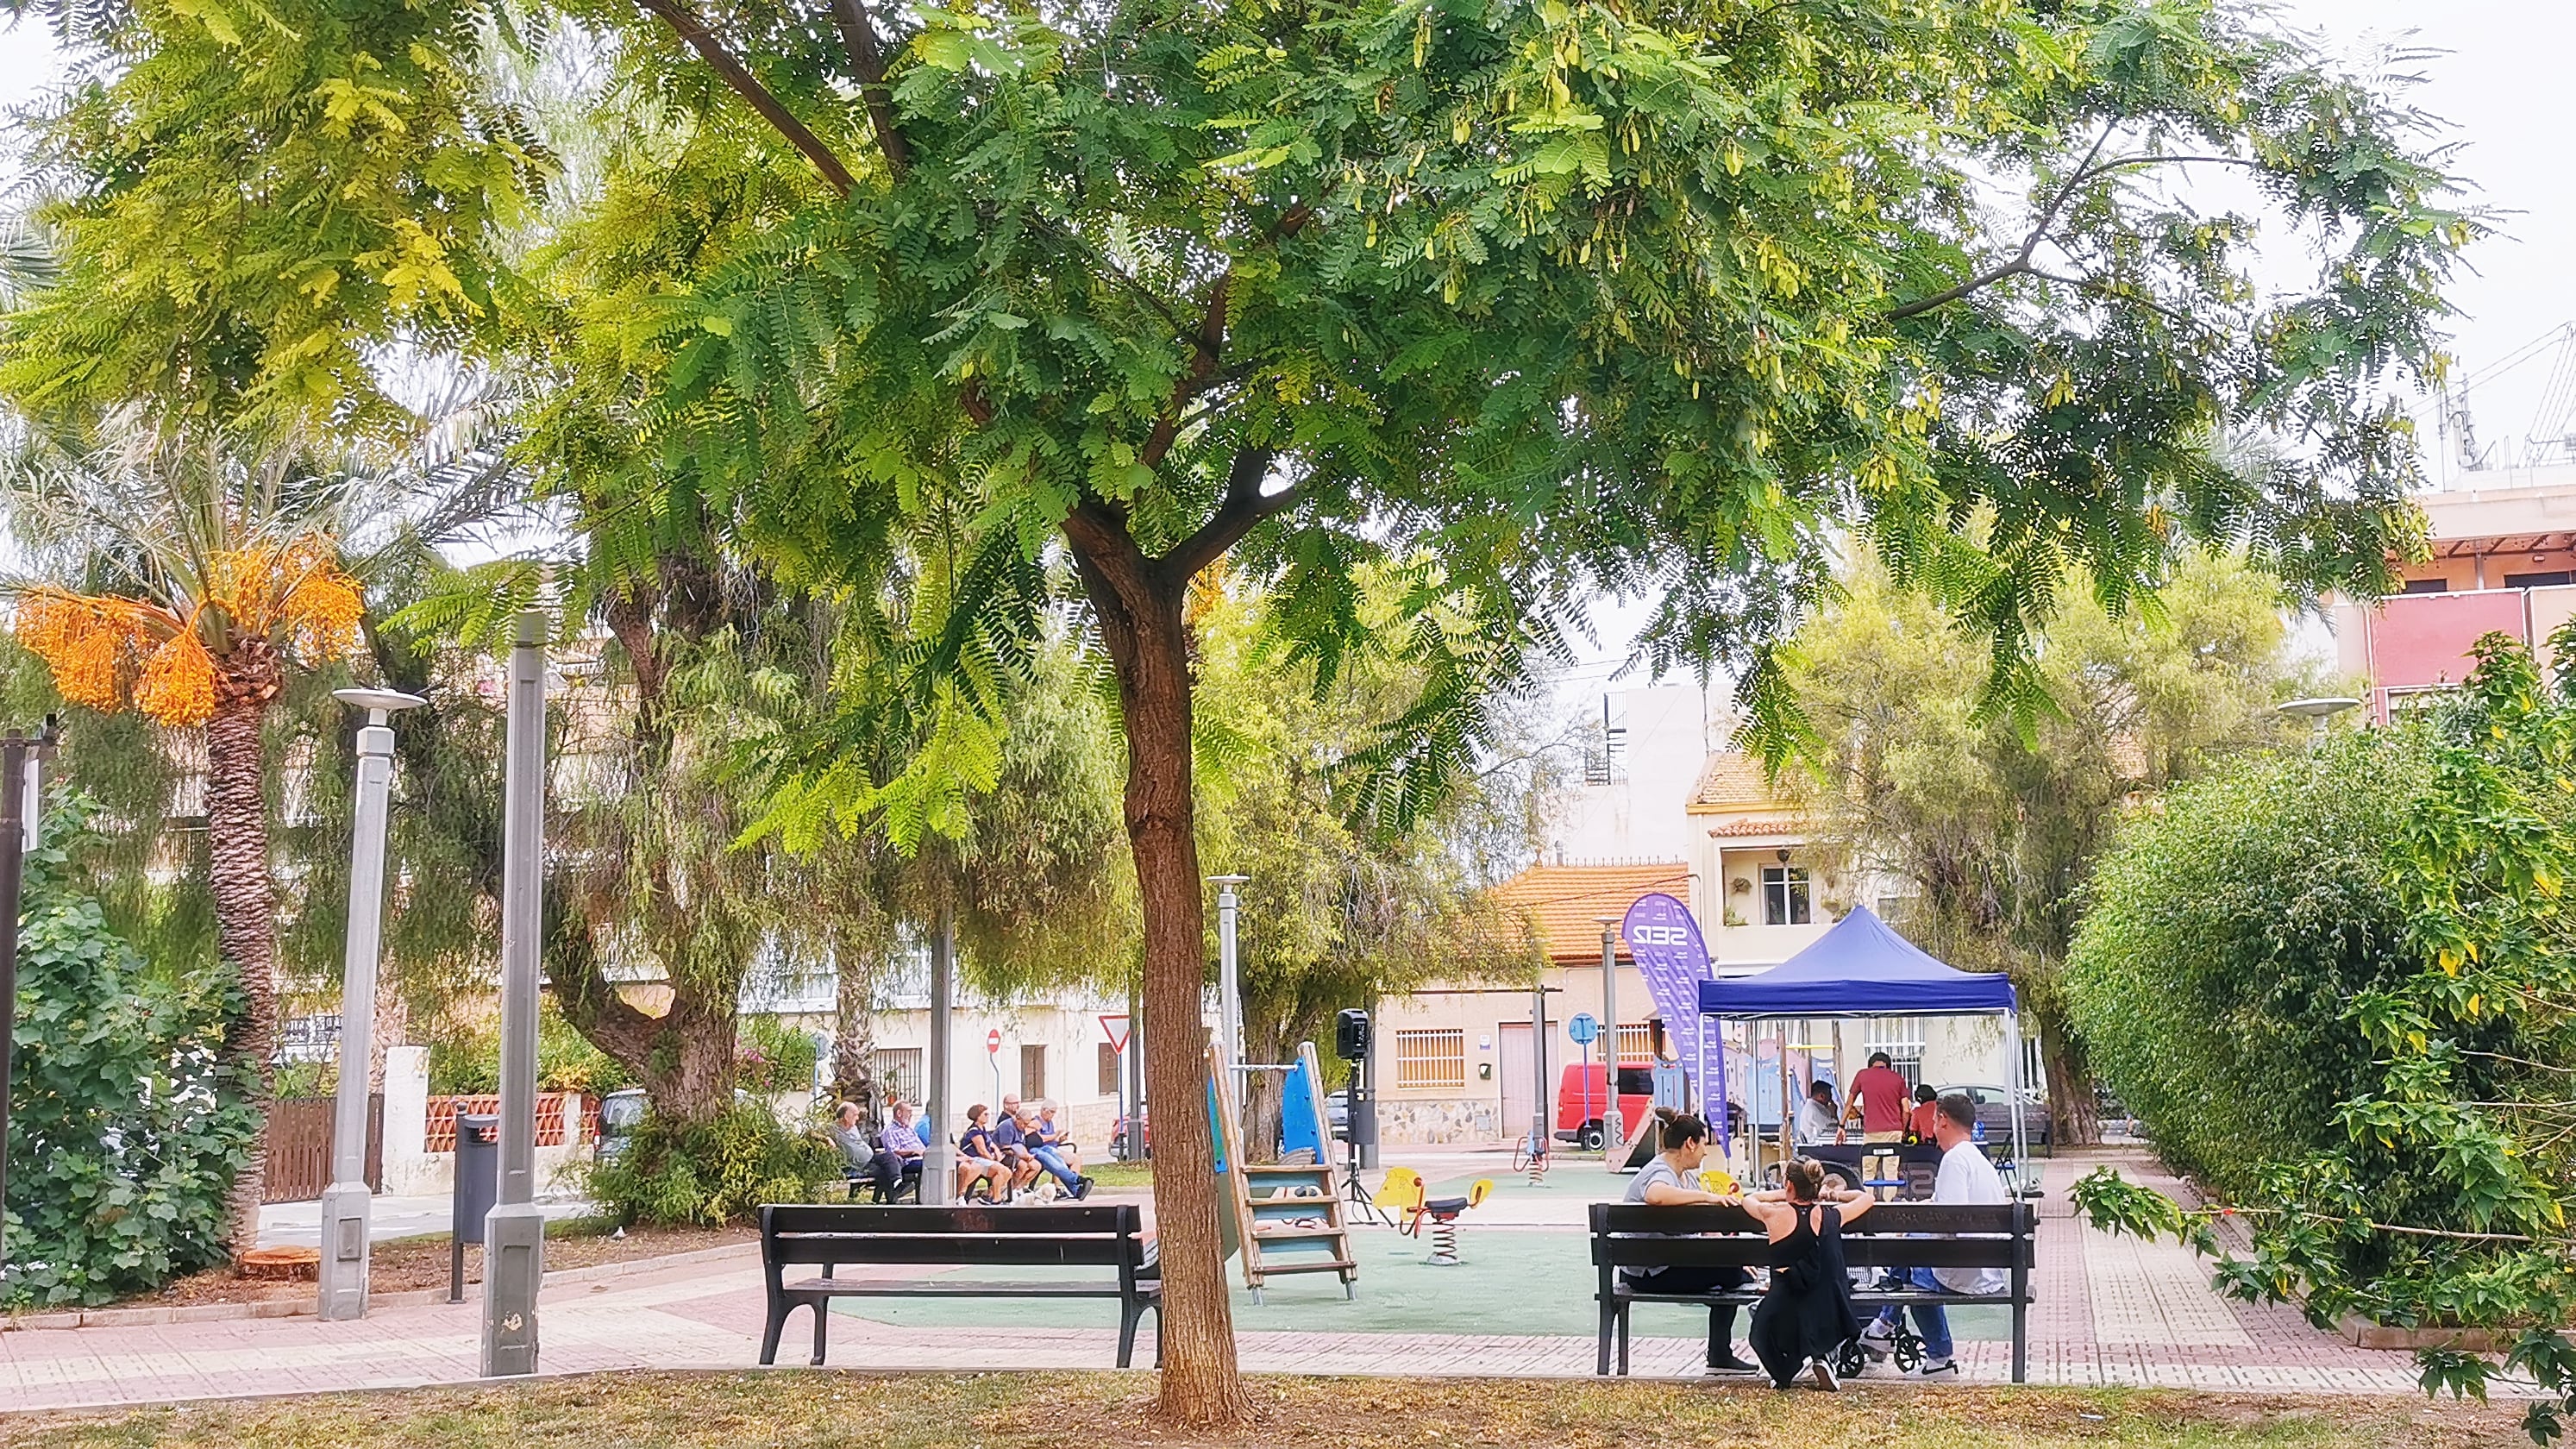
(1670, 953)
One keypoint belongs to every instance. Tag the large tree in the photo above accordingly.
(1994, 824)
(1536, 299)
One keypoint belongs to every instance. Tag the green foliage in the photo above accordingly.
(1996, 824)
(124, 1131)
(714, 1171)
(2401, 939)
(468, 1063)
(2224, 939)
(773, 1057)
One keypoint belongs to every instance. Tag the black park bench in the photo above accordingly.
(1108, 1237)
(1892, 1235)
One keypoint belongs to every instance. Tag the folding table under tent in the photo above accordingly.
(1862, 969)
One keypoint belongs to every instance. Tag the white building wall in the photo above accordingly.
(1639, 815)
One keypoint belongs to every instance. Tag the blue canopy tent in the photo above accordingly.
(1861, 969)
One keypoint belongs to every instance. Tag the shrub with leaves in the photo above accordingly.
(125, 1129)
(673, 1171)
(772, 1057)
(2440, 1195)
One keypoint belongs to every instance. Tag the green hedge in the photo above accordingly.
(124, 1133)
(2225, 936)
(712, 1172)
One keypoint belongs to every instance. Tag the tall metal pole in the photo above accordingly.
(347, 1202)
(16, 750)
(1538, 1068)
(1613, 1128)
(1229, 1014)
(1134, 1064)
(514, 1233)
(938, 1159)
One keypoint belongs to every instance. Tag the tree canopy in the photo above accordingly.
(1518, 300)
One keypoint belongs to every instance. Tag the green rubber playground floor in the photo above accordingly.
(1515, 1281)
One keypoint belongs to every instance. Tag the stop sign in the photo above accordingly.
(993, 1043)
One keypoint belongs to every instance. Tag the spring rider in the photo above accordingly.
(1403, 1192)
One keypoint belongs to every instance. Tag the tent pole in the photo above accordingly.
(2021, 1144)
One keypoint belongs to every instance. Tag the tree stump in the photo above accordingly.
(285, 1264)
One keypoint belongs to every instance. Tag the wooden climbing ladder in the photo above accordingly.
(1287, 1217)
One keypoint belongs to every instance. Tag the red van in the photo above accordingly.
(1581, 1103)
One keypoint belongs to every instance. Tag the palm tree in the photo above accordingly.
(189, 573)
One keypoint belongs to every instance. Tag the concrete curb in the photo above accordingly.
(300, 1307)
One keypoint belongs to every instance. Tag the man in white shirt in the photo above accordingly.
(1816, 1122)
(1965, 1177)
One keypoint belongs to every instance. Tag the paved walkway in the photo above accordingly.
(299, 1224)
(2109, 1311)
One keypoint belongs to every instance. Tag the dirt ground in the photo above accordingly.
(409, 1263)
(810, 1409)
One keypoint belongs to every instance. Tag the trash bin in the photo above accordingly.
(478, 1182)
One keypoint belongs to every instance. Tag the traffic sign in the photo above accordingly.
(993, 1043)
(1115, 1023)
(1583, 1029)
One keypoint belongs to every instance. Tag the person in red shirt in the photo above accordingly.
(1927, 1111)
(1879, 1098)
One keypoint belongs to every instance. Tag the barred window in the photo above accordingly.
(1434, 1058)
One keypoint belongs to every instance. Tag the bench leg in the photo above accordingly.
(1623, 1340)
(822, 1325)
(1601, 1361)
(2021, 1341)
(1128, 1312)
(769, 1332)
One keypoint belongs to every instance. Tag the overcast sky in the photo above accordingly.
(2501, 80)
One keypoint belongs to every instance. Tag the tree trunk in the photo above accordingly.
(2075, 1119)
(854, 1031)
(1264, 1094)
(1141, 623)
(245, 935)
(689, 1074)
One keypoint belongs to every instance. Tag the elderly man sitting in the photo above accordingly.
(861, 1159)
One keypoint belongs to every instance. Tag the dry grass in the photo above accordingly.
(811, 1409)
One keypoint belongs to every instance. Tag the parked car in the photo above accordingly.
(620, 1113)
(1118, 1134)
(1994, 1110)
(1583, 1102)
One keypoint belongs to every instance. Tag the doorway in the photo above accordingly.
(1520, 1090)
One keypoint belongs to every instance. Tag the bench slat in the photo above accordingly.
(991, 1221)
(1884, 1219)
(890, 1248)
(916, 1288)
(1858, 1252)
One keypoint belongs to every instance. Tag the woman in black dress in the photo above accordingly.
(1806, 1316)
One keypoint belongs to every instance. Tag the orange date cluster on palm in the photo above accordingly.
(215, 636)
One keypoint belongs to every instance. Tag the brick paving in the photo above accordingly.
(2108, 1311)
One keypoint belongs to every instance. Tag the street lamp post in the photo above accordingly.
(17, 752)
(347, 1202)
(1229, 980)
(514, 1232)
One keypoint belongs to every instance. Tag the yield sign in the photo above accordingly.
(1115, 1023)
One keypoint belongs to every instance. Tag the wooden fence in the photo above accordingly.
(299, 1147)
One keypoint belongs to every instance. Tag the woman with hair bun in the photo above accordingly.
(1806, 1317)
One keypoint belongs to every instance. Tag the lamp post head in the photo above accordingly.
(378, 703)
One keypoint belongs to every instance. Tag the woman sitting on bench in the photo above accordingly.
(979, 1158)
(1806, 1317)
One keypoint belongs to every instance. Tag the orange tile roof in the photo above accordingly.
(1563, 903)
(1731, 780)
(1778, 826)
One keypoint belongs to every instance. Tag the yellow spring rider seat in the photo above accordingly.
(1404, 1192)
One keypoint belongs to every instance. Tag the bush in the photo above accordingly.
(124, 1132)
(711, 1172)
(2225, 938)
(773, 1057)
(466, 1064)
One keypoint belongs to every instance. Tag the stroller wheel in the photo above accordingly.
(1908, 1353)
(1851, 1359)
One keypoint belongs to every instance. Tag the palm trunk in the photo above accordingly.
(1141, 623)
(854, 1030)
(245, 935)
